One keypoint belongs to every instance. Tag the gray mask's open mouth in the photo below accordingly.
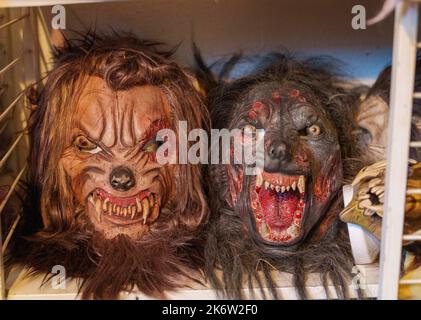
(278, 202)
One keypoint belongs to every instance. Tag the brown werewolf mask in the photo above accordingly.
(285, 218)
(110, 158)
(110, 213)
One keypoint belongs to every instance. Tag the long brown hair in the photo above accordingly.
(56, 230)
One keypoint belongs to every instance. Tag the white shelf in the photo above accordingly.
(39, 3)
(25, 288)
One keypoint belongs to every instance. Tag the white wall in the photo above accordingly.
(221, 27)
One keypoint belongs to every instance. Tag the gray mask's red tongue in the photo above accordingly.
(278, 209)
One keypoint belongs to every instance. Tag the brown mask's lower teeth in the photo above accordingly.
(142, 207)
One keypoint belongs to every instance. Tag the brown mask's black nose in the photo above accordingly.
(122, 178)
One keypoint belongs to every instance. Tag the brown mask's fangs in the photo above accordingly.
(142, 207)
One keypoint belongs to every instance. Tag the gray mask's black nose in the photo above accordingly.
(122, 178)
(277, 156)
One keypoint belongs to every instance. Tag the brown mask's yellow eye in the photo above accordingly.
(84, 144)
(152, 146)
(313, 130)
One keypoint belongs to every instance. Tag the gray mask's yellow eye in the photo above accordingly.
(313, 130)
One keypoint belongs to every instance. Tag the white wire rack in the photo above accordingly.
(401, 102)
(16, 75)
(28, 47)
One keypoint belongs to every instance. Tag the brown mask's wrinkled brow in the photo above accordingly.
(121, 119)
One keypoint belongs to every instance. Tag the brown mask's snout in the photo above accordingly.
(122, 178)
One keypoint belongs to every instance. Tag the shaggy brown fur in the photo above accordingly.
(56, 230)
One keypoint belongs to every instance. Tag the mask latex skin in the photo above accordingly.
(101, 204)
(373, 115)
(372, 120)
(302, 163)
(366, 207)
(110, 158)
(366, 210)
(285, 217)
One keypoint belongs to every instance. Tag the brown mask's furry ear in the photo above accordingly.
(235, 183)
(197, 85)
(58, 39)
(32, 95)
